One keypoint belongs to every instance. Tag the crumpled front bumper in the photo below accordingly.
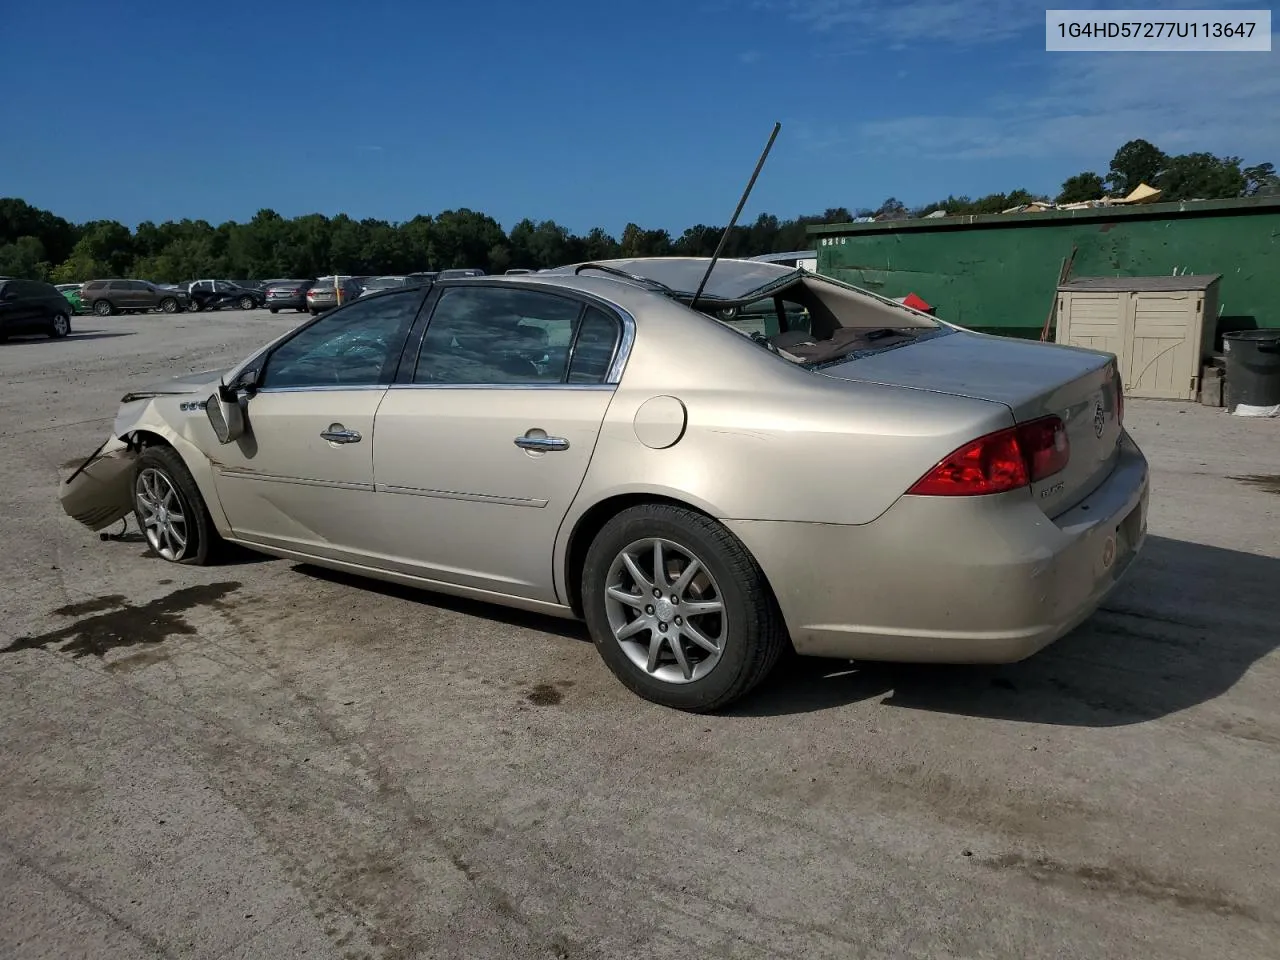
(100, 491)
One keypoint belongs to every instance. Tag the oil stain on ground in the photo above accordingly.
(1268, 482)
(126, 625)
(547, 694)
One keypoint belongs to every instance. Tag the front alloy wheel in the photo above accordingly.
(169, 509)
(164, 518)
(665, 610)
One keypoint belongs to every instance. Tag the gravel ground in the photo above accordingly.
(264, 760)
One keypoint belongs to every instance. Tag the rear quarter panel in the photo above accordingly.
(765, 439)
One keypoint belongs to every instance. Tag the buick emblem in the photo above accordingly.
(1099, 418)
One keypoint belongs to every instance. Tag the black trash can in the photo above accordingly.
(1253, 370)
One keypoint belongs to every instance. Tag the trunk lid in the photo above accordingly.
(1033, 380)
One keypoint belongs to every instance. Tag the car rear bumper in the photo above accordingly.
(286, 303)
(953, 580)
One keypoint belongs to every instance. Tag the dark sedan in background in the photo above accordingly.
(288, 294)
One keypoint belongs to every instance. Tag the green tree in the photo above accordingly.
(1138, 161)
(1201, 176)
(25, 258)
(1081, 187)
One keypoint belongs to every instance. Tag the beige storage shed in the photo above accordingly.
(1161, 329)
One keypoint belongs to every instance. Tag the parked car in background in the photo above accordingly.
(288, 294)
(72, 292)
(421, 277)
(212, 294)
(517, 272)
(109, 297)
(323, 294)
(378, 284)
(32, 306)
(454, 273)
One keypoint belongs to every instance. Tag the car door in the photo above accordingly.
(301, 476)
(483, 446)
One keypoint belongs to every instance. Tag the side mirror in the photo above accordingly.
(225, 416)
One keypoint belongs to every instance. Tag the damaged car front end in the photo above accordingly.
(99, 492)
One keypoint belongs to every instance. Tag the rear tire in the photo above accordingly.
(747, 631)
(59, 325)
(103, 308)
(275, 309)
(163, 492)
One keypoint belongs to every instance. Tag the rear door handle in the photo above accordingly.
(337, 433)
(542, 443)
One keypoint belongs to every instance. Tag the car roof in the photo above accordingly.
(731, 280)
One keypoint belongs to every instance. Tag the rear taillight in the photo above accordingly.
(1000, 461)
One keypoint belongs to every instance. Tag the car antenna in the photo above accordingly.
(724, 237)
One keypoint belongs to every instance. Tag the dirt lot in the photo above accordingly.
(263, 760)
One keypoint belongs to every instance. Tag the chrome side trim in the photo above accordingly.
(504, 386)
(300, 481)
(458, 495)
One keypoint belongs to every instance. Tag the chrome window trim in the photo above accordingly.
(322, 389)
(557, 385)
(623, 349)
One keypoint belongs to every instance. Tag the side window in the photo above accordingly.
(594, 347)
(490, 335)
(355, 345)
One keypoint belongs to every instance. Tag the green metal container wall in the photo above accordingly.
(998, 274)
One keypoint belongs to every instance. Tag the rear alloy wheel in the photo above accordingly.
(678, 609)
(169, 305)
(246, 303)
(169, 509)
(61, 325)
(103, 308)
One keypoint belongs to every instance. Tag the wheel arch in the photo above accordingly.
(193, 458)
(592, 520)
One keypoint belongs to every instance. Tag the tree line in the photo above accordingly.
(38, 244)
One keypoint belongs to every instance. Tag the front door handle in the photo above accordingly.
(542, 443)
(337, 433)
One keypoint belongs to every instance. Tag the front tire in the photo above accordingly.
(275, 309)
(695, 634)
(170, 511)
(169, 305)
(247, 303)
(59, 326)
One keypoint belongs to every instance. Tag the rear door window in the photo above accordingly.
(494, 336)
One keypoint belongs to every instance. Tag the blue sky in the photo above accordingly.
(585, 113)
